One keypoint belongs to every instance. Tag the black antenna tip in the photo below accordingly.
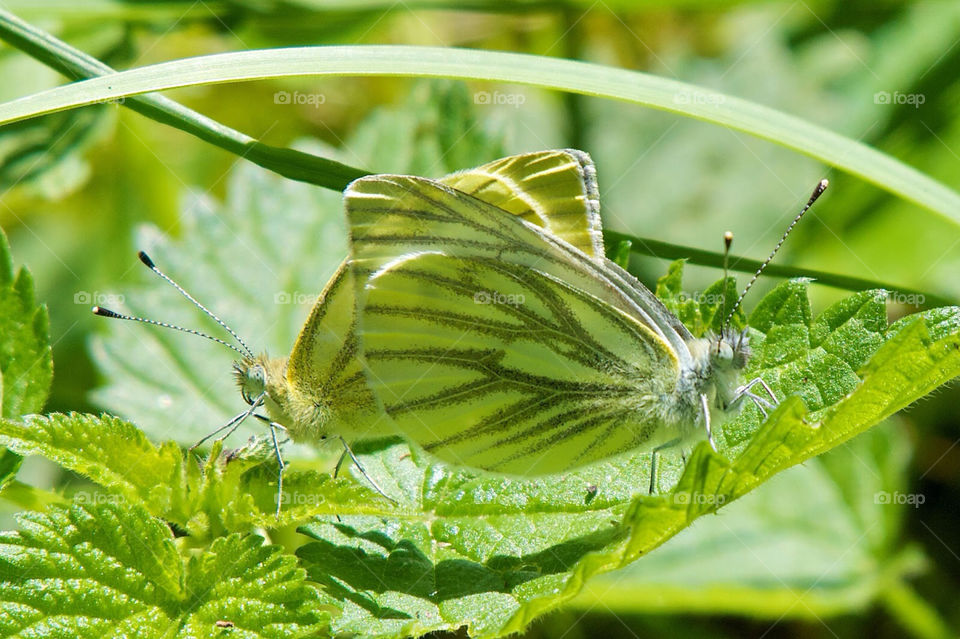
(728, 239)
(104, 312)
(821, 187)
(146, 259)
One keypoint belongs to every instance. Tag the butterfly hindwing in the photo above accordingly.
(495, 365)
(324, 368)
(486, 338)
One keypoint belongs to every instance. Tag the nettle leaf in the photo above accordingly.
(818, 540)
(232, 492)
(26, 363)
(26, 360)
(45, 155)
(704, 311)
(110, 569)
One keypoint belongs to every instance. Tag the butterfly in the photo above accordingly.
(493, 344)
(322, 389)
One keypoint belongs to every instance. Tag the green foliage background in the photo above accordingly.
(811, 552)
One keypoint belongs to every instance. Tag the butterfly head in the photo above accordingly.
(728, 356)
(261, 378)
(730, 350)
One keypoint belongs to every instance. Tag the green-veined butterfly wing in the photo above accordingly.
(392, 216)
(325, 381)
(555, 190)
(534, 376)
(455, 359)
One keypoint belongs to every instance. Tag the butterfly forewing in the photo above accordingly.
(556, 190)
(536, 378)
(394, 215)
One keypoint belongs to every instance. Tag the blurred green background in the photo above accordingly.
(815, 555)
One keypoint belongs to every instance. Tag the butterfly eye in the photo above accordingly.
(253, 383)
(724, 351)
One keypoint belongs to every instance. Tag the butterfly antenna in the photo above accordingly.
(727, 241)
(817, 192)
(106, 312)
(153, 267)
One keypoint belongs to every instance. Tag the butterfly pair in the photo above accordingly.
(478, 316)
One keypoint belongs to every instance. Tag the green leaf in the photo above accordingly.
(109, 451)
(234, 492)
(45, 155)
(26, 363)
(816, 541)
(700, 311)
(92, 570)
(619, 253)
(26, 360)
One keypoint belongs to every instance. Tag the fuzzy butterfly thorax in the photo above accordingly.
(303, 418)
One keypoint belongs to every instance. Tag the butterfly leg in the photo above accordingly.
(747, 391)
(281, 466)
(655, 464)
(356, 462)
(233, 424)
(705, 405)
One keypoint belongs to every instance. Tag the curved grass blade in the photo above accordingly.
(550, 73)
